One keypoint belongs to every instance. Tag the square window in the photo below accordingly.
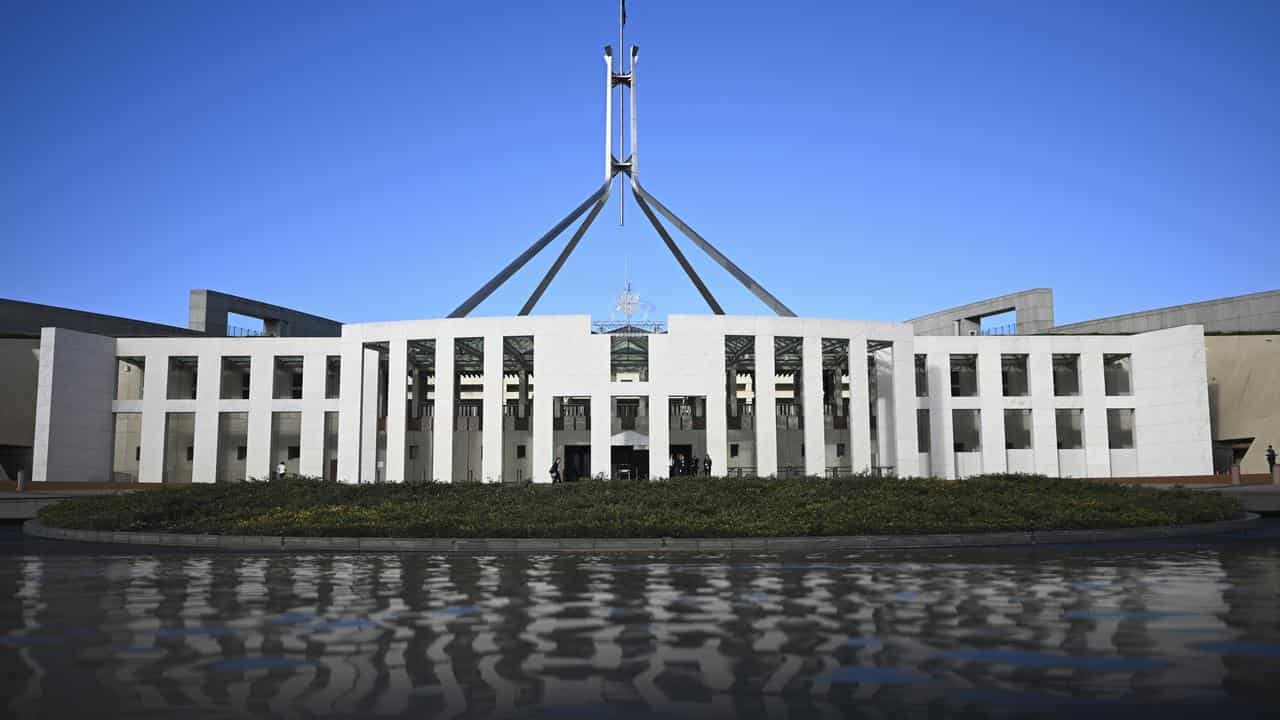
(733, 449)
(1120, 428)
(520, 451)
(1013, 375)
(241, 452)
(966, 430)
(1017, 429)
(964, 376)
(1070, 429)
(922, 376)
(294, 452)
(840, 449)
(413, 452)
(286, 382)
(1117, 373)
(1066, 375)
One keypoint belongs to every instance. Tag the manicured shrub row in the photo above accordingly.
(692, 507)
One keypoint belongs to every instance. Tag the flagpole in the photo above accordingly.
(622, 70)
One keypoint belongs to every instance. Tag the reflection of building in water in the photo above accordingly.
(501, 636)
(1252, 598)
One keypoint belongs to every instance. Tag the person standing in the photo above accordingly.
(555, 471)
(706, 466)
(280, 468)
(1271, 459)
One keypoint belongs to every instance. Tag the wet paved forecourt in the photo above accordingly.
(1180, 628)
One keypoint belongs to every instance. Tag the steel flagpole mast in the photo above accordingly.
(624, 161)
(622, 70)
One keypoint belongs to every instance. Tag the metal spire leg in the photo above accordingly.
(564, 254)
(484, 292)
(671, 245)
(642, 196)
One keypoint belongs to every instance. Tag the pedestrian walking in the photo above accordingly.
(1271, 459)
(555, 471)
(706, 466)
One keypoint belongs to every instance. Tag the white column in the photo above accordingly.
(493, 397)
(717, 420)
(155, 386)
(1044, 434)
(442, 435)
(886, 432)
(208, 386)
(1094, 393)
(542, 423)
(369, 415)
(815, 443)
(942, 454)
(350, 400)
(397, 378)
(258, 462)
(311, 431)
(907, 460)
(766, 409)
(659, 432)
(601, 433)
(859, 406)
(995, 459)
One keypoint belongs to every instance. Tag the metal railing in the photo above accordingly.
(688, 422)
(1010, 329)
(639, 423)
(235, 331)
(616, 326)
(419, 424)
(789, 422)
(571, 422)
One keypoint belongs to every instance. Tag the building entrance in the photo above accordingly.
(628, 462)
(577, 462)
(681, 456)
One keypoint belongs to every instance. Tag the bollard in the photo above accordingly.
(1235, 473)
(22, 481)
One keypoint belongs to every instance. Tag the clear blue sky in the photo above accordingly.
(380, 160)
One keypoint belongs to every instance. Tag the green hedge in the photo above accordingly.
(691, 507)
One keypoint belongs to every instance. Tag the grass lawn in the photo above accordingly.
(693, 507)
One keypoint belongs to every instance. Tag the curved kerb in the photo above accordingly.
(599, 545)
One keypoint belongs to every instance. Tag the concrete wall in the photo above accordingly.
(24, 318)
(1169, 398)
(207, 313)
(209, 351)
(1034, 309)
(73, 427)
(1258, 312)
(20, 368)
(1244, 392)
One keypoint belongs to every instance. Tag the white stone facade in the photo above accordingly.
(1168, 397)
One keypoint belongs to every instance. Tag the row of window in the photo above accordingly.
(1117, 374)
(966, 427)
(183, 372)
